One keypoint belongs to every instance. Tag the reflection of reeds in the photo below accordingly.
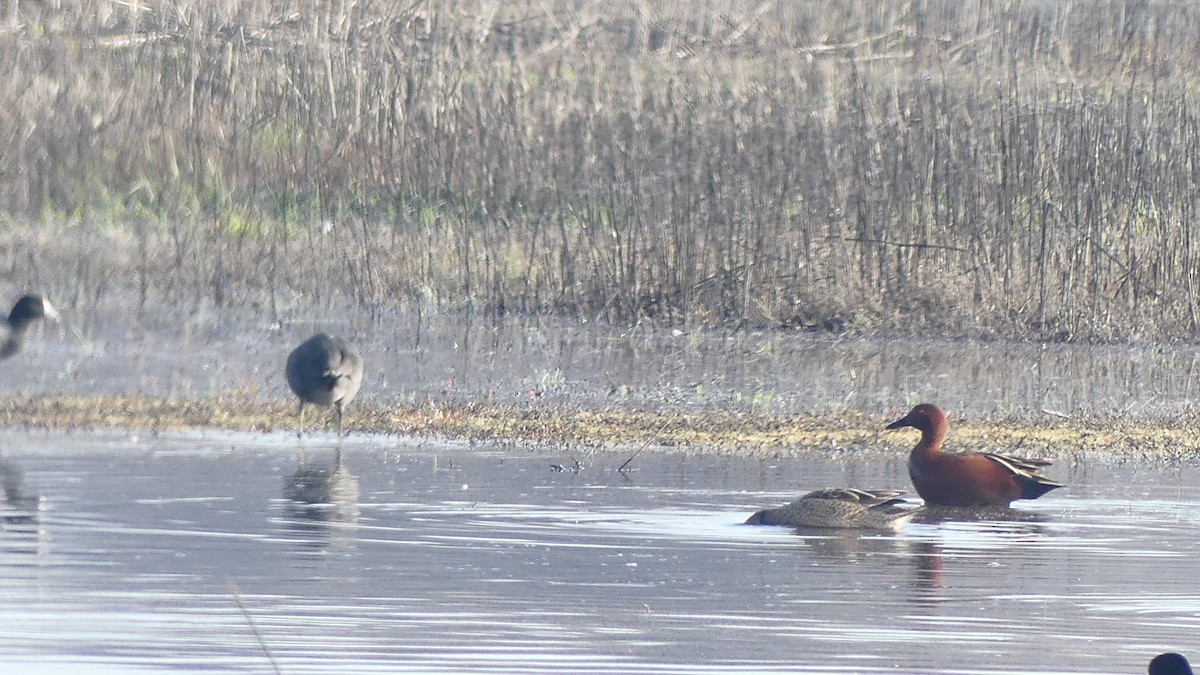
(989, 169)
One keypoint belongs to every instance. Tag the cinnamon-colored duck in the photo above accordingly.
(967, 479)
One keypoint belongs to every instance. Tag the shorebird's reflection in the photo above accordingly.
(20, 507)
(321, 501)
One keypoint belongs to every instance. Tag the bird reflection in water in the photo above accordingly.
(999, 518)
(852, 545)
(968, 532)
(928, 582)
(19, 507)
(21, 527)
(322, 503)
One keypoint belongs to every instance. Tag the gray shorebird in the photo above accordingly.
(13, 330)
(324, 372)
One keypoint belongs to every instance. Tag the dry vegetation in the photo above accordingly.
(985, 168)
(1063, 439)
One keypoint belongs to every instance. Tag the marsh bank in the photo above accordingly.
(587, 385)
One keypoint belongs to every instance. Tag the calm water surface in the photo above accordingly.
(207, 553)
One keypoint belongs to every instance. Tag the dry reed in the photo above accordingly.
(993, 168)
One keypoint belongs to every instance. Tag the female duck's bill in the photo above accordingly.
(324, 372)
(13, 330)
(967, 479)
(1170, 664)
(841, 507)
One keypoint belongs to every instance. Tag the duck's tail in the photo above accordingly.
(1028, 473)
(1032, 488)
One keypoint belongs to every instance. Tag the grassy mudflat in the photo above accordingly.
(1046, 435)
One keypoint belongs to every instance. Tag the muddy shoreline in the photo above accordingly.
(584, 386)
(1049, 435)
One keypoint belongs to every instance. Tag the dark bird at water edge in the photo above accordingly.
(323, 371)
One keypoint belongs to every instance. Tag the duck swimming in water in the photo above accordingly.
(970, 478)
(841, 507)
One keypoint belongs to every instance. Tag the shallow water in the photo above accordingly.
(454, 358)
(199, 552)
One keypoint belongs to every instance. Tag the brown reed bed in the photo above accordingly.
(991, 169)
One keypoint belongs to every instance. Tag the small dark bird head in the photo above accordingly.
(31, 307)
(1170, 664)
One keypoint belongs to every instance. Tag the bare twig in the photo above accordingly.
(237, 597)
(625, 465)
(897, 244)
